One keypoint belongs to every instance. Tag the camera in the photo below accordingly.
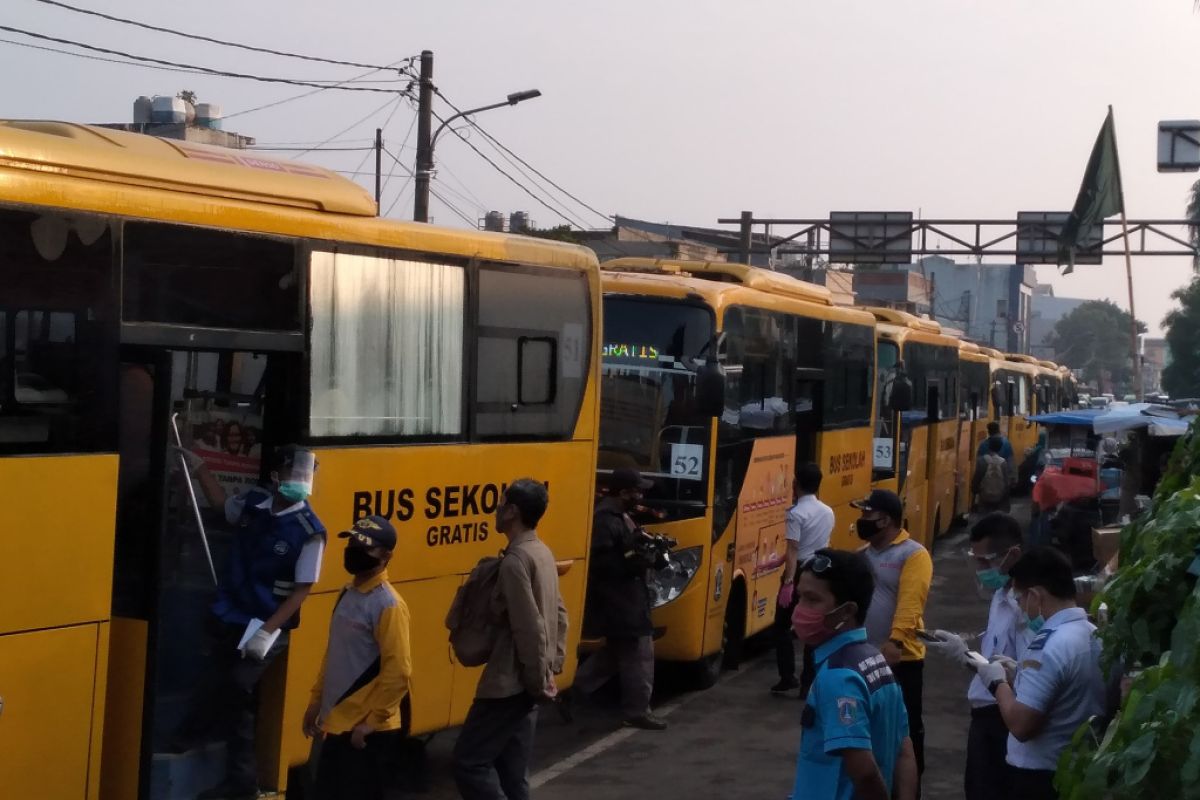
(653, 548)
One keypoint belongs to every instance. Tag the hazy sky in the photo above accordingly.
(690, 110)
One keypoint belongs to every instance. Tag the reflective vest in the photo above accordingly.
(262, 562)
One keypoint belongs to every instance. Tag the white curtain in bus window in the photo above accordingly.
(387, 346)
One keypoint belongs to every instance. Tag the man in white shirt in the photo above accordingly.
(809, 526)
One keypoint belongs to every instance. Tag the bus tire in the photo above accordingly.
(735, 627)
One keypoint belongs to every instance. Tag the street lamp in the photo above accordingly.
(425, 154)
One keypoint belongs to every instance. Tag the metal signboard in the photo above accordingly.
(1037, 238)
(871, 237)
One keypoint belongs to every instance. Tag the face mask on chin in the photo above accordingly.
(296, 491)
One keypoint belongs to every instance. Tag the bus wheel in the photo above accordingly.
(708, 669)
(937, 524)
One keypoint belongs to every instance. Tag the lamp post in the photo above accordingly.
(425, 146)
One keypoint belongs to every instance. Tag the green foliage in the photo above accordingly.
(561, 233)
(1151, 749)
(1181, 378)
(1095, 338)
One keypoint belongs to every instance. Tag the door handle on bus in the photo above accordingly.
(187, 477)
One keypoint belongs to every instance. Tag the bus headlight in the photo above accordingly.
(669, 582)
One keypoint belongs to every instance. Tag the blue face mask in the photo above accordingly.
(992, 579)
(1033, 624)
(296, 491)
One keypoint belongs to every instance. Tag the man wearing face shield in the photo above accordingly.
(855, 741)
(275, 558)
(364, 677)
(995, 548)
(1058, 683)
(903, 574)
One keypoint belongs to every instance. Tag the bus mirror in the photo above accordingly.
(710, 388)
(901, 399)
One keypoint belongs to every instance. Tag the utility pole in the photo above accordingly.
(746, 239)
(378, 165)
(424, 138)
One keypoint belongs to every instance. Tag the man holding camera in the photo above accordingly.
(618, 603)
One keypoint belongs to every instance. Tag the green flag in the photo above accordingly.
(1100, 195)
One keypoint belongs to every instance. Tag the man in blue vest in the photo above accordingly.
(274, 560)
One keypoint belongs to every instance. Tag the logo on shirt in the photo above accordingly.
(281, 548)
(847, 710)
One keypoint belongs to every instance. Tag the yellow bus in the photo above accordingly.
(1017, 375)
(924, 462)
(797, 384)
(150, 283)
(974, 382)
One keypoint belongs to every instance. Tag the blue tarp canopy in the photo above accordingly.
(1083, 417)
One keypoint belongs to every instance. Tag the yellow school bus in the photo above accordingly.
(1049, 393)
(797, 384)
(974, 381)
(923, 465)
(152, 285)
(1017, 375)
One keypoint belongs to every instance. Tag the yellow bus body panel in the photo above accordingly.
(52, 694)
(123, 709)
(943, 476)
(844, 457)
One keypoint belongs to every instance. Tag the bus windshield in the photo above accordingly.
(649, 416)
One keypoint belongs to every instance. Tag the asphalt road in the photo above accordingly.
(735, 740)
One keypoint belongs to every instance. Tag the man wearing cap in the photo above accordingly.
(618, 603)
(903, 573)
(364, 677)
(275, 558)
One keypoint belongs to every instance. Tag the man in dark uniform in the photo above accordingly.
(275, 558)
(618, 603)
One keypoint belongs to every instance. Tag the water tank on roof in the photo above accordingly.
(518, 221)
(208, 115)
(142, 109)
(493, 221)
(168, 110)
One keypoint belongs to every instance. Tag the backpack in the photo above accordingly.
(994, 486)
(472, 629)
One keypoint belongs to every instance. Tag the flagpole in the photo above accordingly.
(1133, 331)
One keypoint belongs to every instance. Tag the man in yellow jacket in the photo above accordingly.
(365, 674)
(903, 573)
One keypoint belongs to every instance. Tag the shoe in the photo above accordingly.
(785, 685)
(227, 791)
(647, 722)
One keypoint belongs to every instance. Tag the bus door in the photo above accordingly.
(163, 737)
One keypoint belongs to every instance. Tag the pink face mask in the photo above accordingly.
(811, 626)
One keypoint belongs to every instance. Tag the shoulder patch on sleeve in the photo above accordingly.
(847, 710)
(1039, 641)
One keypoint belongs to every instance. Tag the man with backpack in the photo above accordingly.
(994, 478)
(491, 756)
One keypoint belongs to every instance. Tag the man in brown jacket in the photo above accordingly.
(491, 756)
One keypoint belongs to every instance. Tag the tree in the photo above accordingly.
(1095, 338)
(1181, 378)
(187, 96)
(562, 233)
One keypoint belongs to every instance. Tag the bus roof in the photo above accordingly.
(91, 153)
(1021, 358)
(726, 272)
(969, 351)
(1050, 365)
(902, 319)
(86, 168)
(719, 295)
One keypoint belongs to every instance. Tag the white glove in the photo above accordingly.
(194, 462)
(1010, 667)
(949, 645)
(992, 672)
(259, 644)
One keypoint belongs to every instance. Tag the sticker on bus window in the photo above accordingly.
(571, 351)
(686, 461)
(884, 456)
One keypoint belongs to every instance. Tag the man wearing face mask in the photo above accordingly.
(855, 741)
(364, 677)
(995, 547)
(903, 573)
(275, 558)
(1058, 684)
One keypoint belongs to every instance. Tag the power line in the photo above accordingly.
(210, 39)
(301, 96)
(350, 127)
(517, 183)
(396, 160)
(205, 70)
(308, 149)
(496, 142)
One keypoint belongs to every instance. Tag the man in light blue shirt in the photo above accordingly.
(854, 741)
(1058, 684)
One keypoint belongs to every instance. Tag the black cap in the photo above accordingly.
(372, 531)
(627, 479)
(882, 500)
